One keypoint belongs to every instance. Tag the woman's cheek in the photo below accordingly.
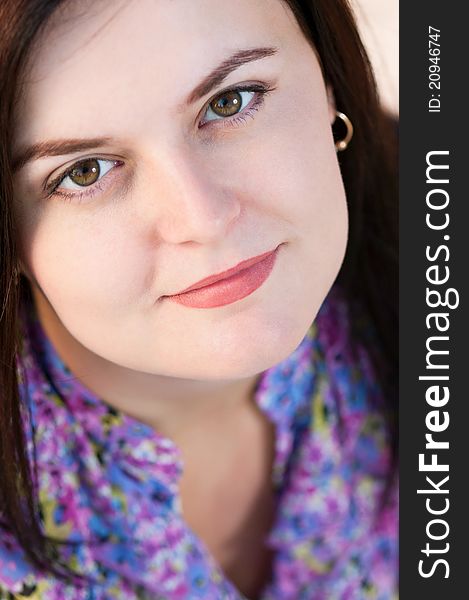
(75, 263)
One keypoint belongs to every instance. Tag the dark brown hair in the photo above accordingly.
(369, 274)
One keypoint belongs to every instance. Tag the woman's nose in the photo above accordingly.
(192, 202)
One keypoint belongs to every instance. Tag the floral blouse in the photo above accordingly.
(108, 484)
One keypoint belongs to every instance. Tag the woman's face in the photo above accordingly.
(179, 191)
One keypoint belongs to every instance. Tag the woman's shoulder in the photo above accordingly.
(331, 517)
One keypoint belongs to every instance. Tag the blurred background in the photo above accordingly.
(378, 21)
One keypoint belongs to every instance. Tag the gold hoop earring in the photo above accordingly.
(343, 143)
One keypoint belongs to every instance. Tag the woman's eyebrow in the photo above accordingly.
(218, 75)
(56, 148)
(212, 80)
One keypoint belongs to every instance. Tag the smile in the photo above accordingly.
(229, 286)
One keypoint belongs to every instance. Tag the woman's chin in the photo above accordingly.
(247, 355)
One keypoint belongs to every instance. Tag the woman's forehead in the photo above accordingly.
(168, 36)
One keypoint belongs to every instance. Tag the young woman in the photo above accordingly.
(198, 272)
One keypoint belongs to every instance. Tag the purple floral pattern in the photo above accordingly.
(108, 484)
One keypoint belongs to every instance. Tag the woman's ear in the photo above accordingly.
(331, 103)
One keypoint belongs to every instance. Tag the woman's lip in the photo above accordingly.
(227, 290)
(244, 264)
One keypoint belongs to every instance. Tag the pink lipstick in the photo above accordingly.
(229, 286)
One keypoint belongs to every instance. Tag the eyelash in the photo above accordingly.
(235, 121)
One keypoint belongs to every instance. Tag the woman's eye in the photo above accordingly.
(87, 173)
(234, 106)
